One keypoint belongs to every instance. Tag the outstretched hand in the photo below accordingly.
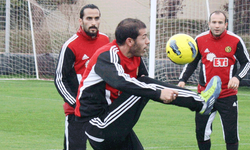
(168, 95)
(181, 84)
(233, 83)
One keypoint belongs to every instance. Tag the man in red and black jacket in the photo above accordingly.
(115, 89)
(73, 60)
(219, 52)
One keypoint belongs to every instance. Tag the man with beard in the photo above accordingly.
(115, 88)
(72, 62)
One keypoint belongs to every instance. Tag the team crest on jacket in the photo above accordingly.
(228, 49)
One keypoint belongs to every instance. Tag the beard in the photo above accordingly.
(135, 50)
(91, 33)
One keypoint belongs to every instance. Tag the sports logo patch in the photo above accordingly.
(220, 62)
(228, 49)
(85, 57)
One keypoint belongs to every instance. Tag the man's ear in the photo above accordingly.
(130, 42)
(226, 25)
(80, 21)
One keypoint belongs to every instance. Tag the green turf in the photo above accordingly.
(32, 118)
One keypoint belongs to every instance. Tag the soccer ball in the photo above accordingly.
(181, 49)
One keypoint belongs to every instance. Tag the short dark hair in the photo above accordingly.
(218, 12)
(128, 28)
(91, 6)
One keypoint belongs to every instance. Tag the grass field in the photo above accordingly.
(32, 118)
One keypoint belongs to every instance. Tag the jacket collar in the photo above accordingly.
(217, 38)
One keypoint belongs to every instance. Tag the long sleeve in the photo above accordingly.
(189, 69)
(63, 81)
(110, 68)
(243, 58)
